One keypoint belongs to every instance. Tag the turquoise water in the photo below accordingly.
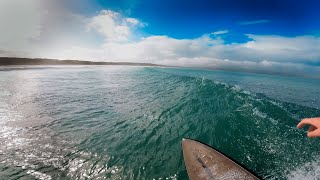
(127, 122)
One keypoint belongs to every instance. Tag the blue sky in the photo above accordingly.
(267, 36)
(192, 18)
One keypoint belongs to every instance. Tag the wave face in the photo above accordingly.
(127, 123)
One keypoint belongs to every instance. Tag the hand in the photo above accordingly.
(314, 129)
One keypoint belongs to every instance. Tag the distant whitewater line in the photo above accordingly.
(6, 61)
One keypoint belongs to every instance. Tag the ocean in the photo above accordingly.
(117, 122)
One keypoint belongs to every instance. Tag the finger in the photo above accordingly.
(312, 128)
(304, 122)
(313, 119)
(315, 133)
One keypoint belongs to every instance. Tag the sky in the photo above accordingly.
(264, 36)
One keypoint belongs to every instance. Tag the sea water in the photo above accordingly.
(116, 122)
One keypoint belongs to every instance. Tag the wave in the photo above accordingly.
(256, 131)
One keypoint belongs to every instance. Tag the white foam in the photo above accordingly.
(39, 175)
(263, 115)
(172, 177)
(308, 171)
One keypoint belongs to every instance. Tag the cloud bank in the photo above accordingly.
(54, 32)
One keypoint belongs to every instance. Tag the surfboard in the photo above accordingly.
(203, 163)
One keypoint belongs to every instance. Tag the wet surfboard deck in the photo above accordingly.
(203, 162)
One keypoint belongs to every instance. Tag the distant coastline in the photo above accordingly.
(13, 61)
(8, 63)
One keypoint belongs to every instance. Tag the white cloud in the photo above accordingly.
(261, 21)
(279, 48)
(113, 26)
(132, 21)
(220, 32)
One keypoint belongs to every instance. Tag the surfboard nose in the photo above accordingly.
(189, 145)
(184, 140)
(203, 162)
(186, 144)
